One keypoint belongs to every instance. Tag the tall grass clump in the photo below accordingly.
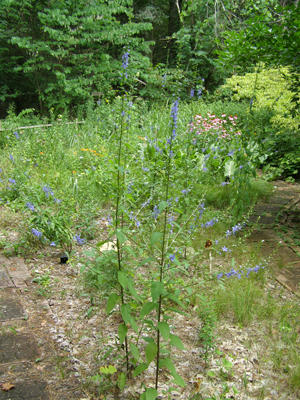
(240, 294)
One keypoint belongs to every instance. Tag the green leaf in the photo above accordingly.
(121, 380)
(108, 370)
(148, 339)
(227, 364)
(229, 168)
(132, 289)
(147, 308)
(120, 236)
(122, 331)
(111, 302)
(164, 330)
(130, 251)
(126, 312)
(135, 351)
(176, 341)
(122, 278)
(177, 378)
(141, 368)
(150, 351)
(146, 260)
(178, 311)
(121, 169)
(155, 237)
(156, 289)
(176, 300)
(151, 394)
(133, 324)
(162, 205)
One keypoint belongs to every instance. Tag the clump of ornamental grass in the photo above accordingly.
(240, 293)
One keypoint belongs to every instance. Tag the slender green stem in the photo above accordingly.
(162, 263)
(119, 193)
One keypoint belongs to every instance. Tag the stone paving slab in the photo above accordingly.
(13, 272)
(26, 390)
(11, 308)
(281, 199)
(287, 255)
(263, 234)
(267, 220)
(290, 278)
(5, 281)
(16, 348)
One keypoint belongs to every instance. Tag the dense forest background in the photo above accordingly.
(66, 53)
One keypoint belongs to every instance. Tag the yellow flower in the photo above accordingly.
(74, 172)
(41, 152)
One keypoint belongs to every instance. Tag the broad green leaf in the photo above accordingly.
(151, 394)
(122, 331)
(121, 380)
(132, 289)
(148, 339)
(133, 324)
(178, 311)
(150, 351)
(176, 341)
(147, 308)
(141, 368)
(229, 168)
(122, 278)
(111, 302)
(108, 370)
(155, 237)
(176, 261)
(129, 250)
(82, 268)
(121, 169)
(120, 235)
(164, 330)
(156, 289)
(166, 362)
(177, 378)
(126, 312)
(146, 260)
(227, 364)
(135, 351)
(162, 205)
(176, 300)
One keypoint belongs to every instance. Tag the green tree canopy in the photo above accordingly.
(62, 50)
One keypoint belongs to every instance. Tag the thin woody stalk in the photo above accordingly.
(162, 263)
